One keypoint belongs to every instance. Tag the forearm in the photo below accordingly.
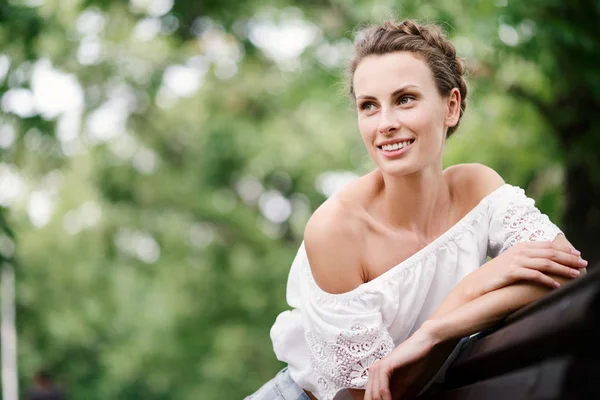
(484, 311)
(458, 297)
(462, 294)
(473, 286)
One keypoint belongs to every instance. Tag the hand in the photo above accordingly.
(529, 261)
(407, 362)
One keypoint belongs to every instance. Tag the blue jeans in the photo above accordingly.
(282, 387)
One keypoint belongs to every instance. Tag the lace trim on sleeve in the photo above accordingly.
(343, 362)
(525, 223)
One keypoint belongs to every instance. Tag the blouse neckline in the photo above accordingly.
(409, 262)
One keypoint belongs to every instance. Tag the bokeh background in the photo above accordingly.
(159, 160)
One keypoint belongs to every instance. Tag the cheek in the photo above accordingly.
(418, 117)
(425, 121)
(367, 126)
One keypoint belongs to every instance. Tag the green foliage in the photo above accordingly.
(178, 185)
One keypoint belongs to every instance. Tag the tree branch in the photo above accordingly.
(521, 93)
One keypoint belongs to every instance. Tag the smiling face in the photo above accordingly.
(401, 115)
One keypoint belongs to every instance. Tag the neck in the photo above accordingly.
(418, 202)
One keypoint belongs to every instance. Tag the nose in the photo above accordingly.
(389, 122)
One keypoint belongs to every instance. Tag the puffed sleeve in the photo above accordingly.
(514, 219)
(342, 335)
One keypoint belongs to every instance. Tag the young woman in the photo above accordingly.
(394, 266)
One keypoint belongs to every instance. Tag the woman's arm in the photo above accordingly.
(482, 312)
(457, 317)
(497, 274)
(476, 182)
(478, 302)
(406, 364)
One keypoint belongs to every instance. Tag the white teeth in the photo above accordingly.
(395, 146)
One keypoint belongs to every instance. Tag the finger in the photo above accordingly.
(371, 383)
(375, 387)
(384, 390)
(368, 390)
(572, 255)
(552, 267)
(567, 248)
(536, 276)
(564, 257)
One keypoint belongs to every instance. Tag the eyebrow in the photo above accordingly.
(394, 94)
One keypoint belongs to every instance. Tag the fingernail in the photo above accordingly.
(556, 284)
(575, 272)
(576, 252)
(582, 262)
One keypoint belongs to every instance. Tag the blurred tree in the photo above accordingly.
(562, 38)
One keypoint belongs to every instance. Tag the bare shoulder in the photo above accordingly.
(473, 181)
(332, 243)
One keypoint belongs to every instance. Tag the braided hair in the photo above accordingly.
(427, 41)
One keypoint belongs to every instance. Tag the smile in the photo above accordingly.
(395, 149)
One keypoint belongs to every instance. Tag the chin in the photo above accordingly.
(397, 169)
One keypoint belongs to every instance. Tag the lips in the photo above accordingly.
(395, 148)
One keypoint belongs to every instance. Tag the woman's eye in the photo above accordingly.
(368, 106)
(405, 99)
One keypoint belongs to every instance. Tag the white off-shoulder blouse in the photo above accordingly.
(330, 340)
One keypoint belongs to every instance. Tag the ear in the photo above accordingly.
(453, 104)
